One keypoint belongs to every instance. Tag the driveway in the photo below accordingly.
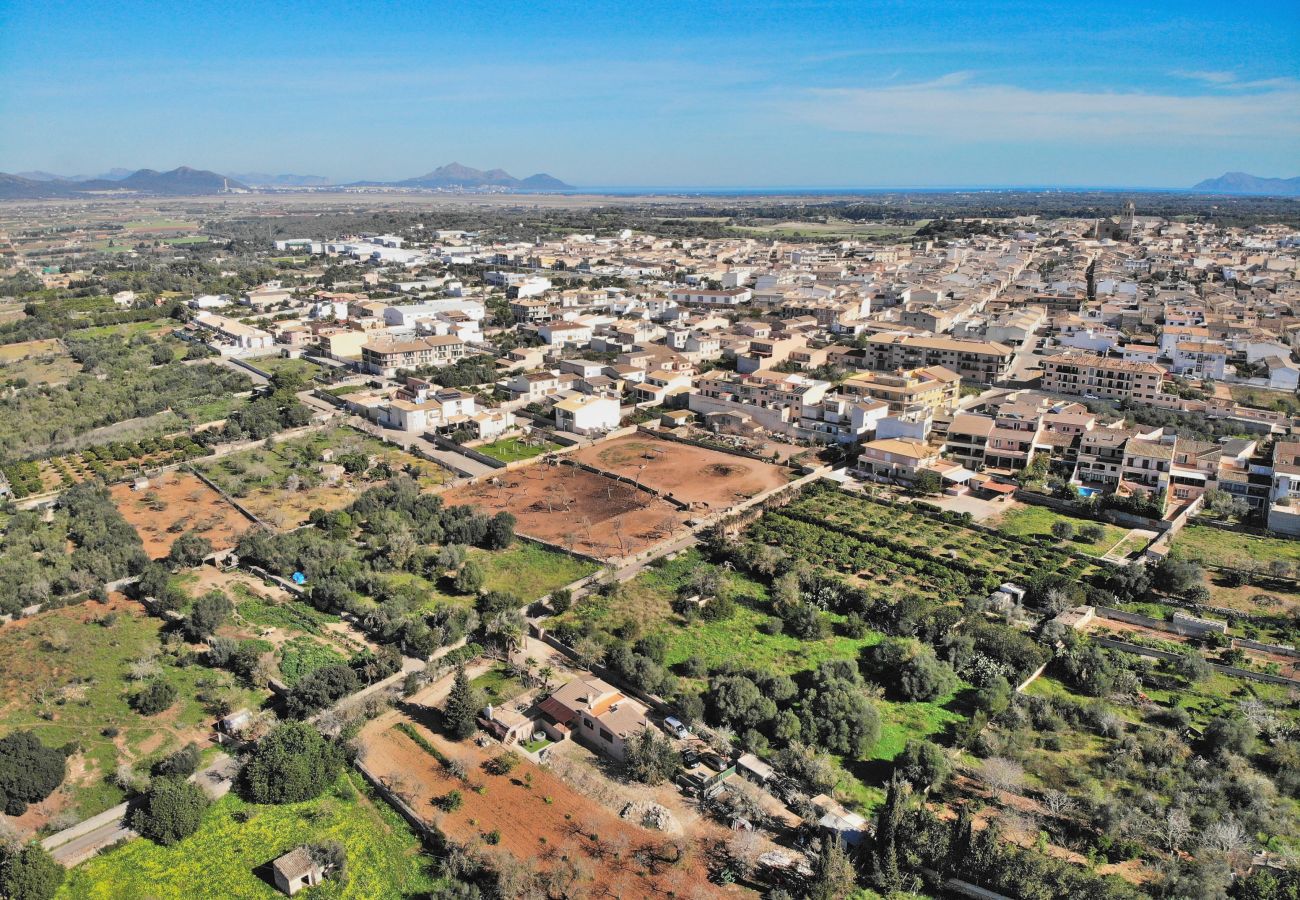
(979, 509)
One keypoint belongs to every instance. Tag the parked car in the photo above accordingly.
(714, 761)
(676, 728)
(690, 758)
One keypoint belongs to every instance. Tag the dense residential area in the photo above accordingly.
(455, 546)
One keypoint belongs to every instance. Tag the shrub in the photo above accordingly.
(171, 810)
(29, 771)
(184, 762)
(29, 873)
(154, 698)
(291, 764)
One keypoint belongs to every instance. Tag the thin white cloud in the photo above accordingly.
(956, 108)
(1207, 77)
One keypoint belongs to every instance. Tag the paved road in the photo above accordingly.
(77, 844)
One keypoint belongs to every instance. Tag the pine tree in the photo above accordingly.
(885, 871)
(959, 844)
(834, 877)
(461, 708)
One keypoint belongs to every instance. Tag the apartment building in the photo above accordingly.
(1091, 375)
(1284, 489)
(705, 297)
(894, 460)
(934, 388)
(387, 356)
(983, 361)
(773, 400)
(1200, 359)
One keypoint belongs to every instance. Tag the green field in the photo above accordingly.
(66, 678)
(497, 685)
(303, 655)
(513, 449)
(125, 329)
(1217, 547)
(37, 362)
(277, 365)
(1265, 398)
(529, 570)
(229, 854)
(1037, 521)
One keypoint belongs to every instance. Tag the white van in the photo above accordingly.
(676, 728)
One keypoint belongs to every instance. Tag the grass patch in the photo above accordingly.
(498, 685)
(1037, 521)
(513, 449)
(303, 655)
(74, 694)
(226, 857)
(289, 615)
(1219, 547)
(529, 570)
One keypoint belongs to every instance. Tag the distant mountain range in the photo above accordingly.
(1242, 183)
(261, 179)
(454, 175)
(110, 175)
(184, 182)
(181, 182)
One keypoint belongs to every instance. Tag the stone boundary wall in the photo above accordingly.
(1139, 650)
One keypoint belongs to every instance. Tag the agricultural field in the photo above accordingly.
(68, 674)
(37, 362)
(230, 853)
(283, 365)
(109, 462)
(516, 449)
(176, 502)
(644, 606)
(524, 813)
(1264, 398)
(299, 636)
(1235, 549)
(527, 570)
(1037, 522)
(569, 506)
(157, 328)
(325, 469)
(838, 229)
(882, 545)
(696, 475)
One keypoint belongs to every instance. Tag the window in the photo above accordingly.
(606, 736)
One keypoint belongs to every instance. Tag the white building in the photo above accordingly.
(587, 414)
(407, 315)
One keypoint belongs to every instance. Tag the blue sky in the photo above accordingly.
(759, 94)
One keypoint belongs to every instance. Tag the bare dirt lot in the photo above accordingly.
(574, 508)
(174, 503)
(535, 817)
(695, 475)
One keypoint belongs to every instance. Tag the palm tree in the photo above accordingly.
(545, 673)
(529, 664)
